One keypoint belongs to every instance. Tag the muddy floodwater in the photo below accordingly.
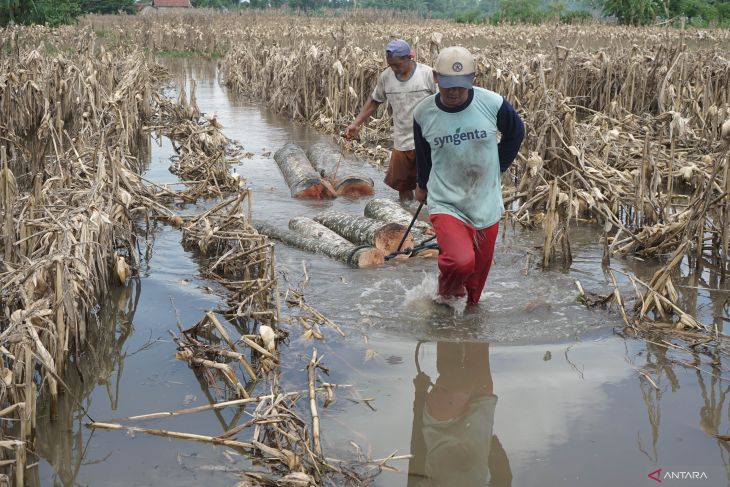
(530, 389)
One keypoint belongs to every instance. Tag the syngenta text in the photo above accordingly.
(458, 137)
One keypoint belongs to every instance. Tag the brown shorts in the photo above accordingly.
(401, 175)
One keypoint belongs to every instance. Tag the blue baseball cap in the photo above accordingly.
(398, 48)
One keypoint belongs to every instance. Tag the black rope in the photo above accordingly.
(426, 241)
(405, 235)
(415, 249)
(354, 251)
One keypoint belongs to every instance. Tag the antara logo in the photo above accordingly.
(458, 137)
(657, 476)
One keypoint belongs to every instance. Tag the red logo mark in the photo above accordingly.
(656, 475)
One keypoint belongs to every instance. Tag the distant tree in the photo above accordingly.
(58, 12)
(216, 3)
(694, 9)
(107, 6)
(306, 5)
(556, 8)
(523, 11)
(411, 5)
(51, 12)
(633, 12)
(723, 11)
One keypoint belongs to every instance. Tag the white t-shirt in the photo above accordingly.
(403, 96)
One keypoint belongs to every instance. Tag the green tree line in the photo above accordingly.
(633, 12)
(642, 12)
(228, 4)
(700, 13)
(57, 12)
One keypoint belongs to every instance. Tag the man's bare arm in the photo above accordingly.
(353, 130)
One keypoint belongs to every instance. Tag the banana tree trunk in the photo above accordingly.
(317, 239)
(390, 211)
(332, 165)
(300, 176)
(363, 230)
(358, 256)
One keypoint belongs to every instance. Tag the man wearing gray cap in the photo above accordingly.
(403, 84)
(459, 166)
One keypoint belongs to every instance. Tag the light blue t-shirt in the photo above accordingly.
(465, 178)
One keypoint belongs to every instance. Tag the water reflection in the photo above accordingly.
(714, 395)
(703, 292)
(64, 443)
(659, 374)
(451, 439)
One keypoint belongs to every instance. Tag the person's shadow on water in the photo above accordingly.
(451, 439)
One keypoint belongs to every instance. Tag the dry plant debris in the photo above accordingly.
(632, 136)
(69, 198)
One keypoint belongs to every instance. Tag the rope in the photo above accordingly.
(354, 251)
(415, 249)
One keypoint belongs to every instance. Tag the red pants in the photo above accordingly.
(465, 258)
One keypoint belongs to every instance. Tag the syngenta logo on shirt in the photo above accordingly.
(458, 137)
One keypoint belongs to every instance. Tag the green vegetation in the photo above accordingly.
(57, 12)
(106, 6)
(215, 3)
(52, 12)
(634, 12)
(524, 12)
(700, 13)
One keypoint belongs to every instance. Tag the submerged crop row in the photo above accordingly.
(70, 196)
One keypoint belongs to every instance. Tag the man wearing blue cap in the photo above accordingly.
(403, 84)
(459, 171)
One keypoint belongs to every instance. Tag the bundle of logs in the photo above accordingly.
(323, 172)
(359, 241)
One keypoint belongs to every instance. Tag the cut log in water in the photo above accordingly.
(333, 166)
(363, 230)
(300, 176)
(390, 211)
(318, 239)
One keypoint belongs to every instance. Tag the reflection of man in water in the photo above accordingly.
(452, 441)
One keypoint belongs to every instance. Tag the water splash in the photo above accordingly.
(424, 297)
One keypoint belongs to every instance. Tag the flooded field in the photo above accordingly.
(541, 389)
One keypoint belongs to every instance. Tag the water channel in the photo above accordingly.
(540, 389)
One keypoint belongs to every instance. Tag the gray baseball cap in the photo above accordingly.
(455, 68)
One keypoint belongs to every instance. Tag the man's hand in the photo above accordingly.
(421, 194)
(352, 131)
